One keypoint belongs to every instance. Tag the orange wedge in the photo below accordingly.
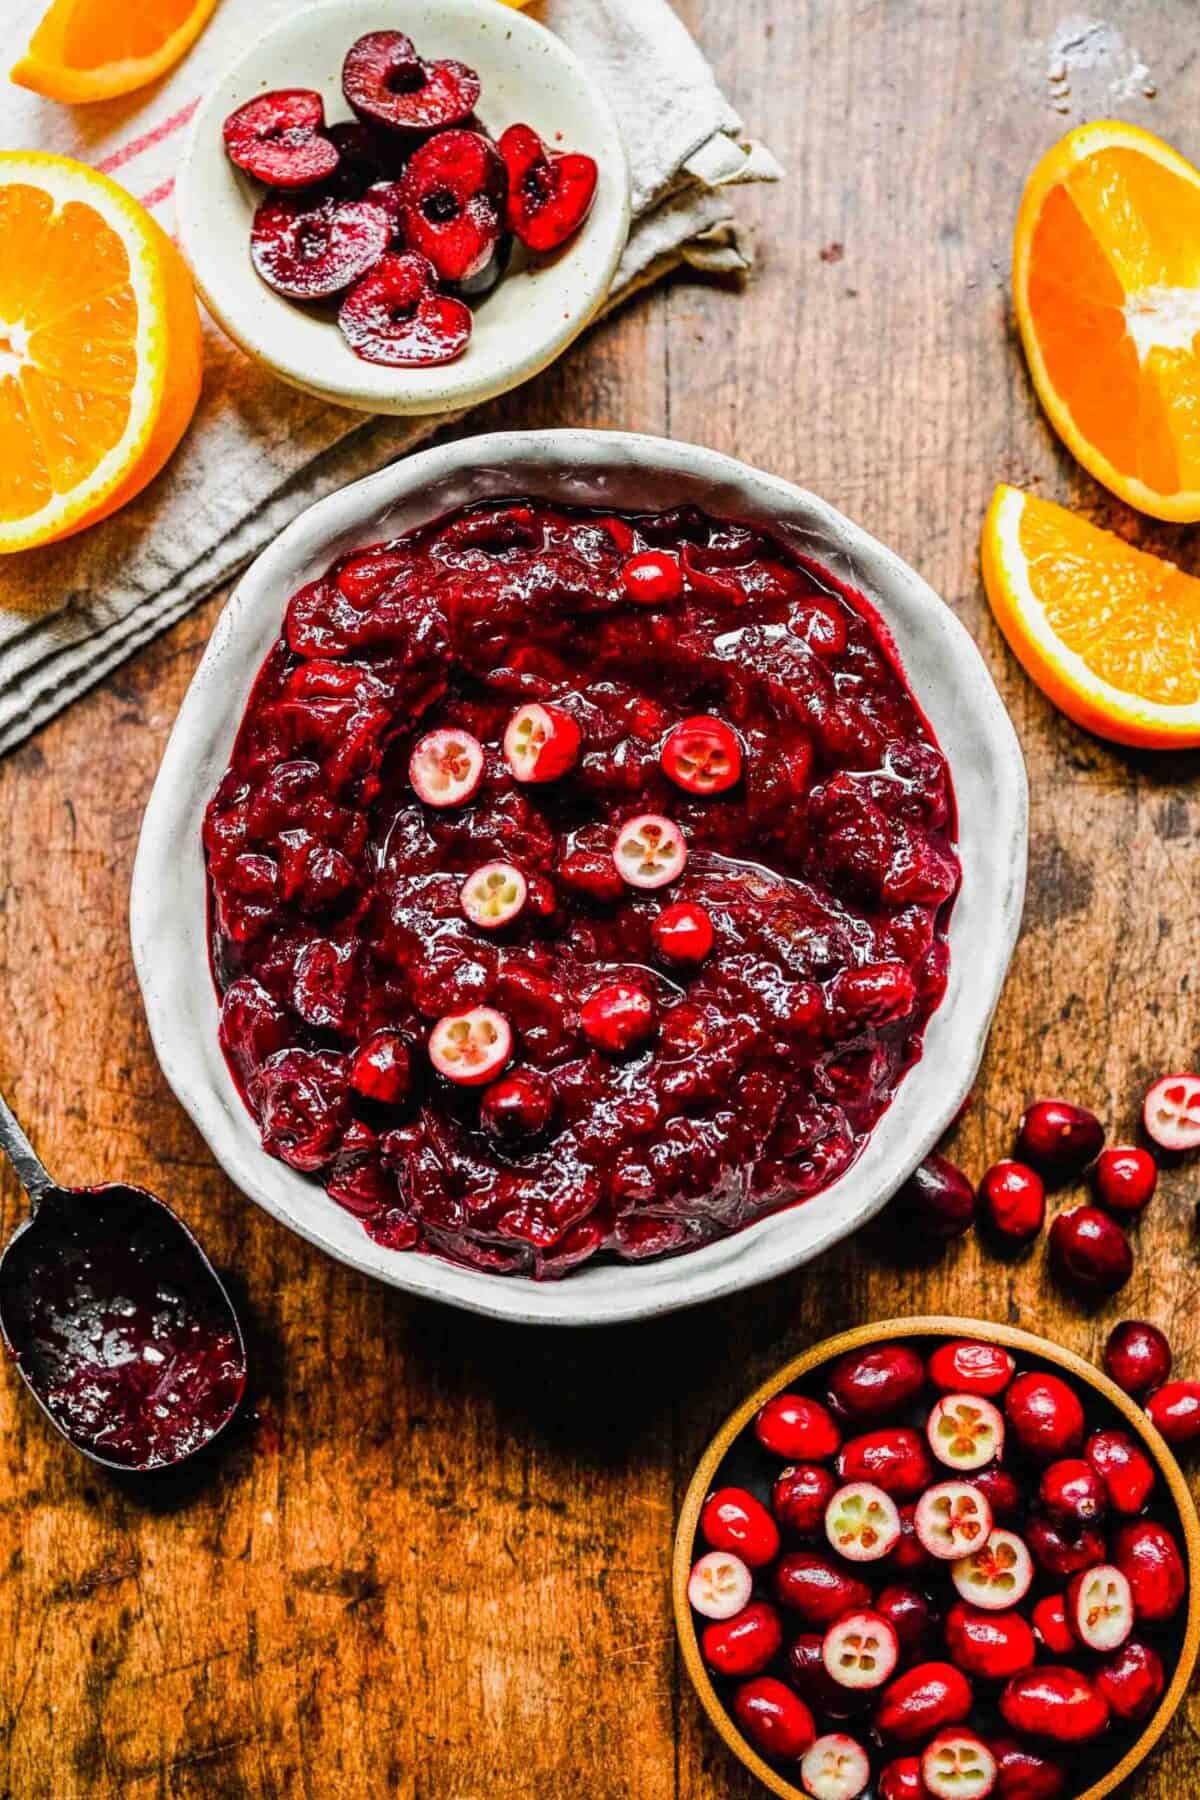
(99, 347)
(95, 49)
(1106, 284)
(1109, 633)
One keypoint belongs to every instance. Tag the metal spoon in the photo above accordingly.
(118, 1323)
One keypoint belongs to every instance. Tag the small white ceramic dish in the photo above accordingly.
(610, 470)
(530, 317)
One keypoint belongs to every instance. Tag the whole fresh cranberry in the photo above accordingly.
(1000, 1489)
(1057, 1703)
(1045, 1416)
(813, 1682)
(796, 1427)
(775, 1720)
(1137, 1356)
(800, 1496)
(652, 578)
(1072, 1492)
(866, 1385)
(1050, 1625)
(1059, 1136)
(1175, 1410)
(991, 1645)
(902, 1780)
(1090, 1252)
(937, 1200)
(518, 1107)
(910, 1614)
(1132, 1680)
(745, 1644)
(1124, 1468)
(910, 1556)
(1061, 1552)
(816, 1589)
(1025, 1774)
(732, 1519)
(966, 1367)
(921, 1701)
(618, 1018)
(1148, 1557)
(894, 1458)
(683, 933)
(1014, 1202)
(1125, 1178)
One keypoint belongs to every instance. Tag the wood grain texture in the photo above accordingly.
(435, 1561)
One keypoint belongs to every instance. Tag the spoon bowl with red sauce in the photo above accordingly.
(116, 1320)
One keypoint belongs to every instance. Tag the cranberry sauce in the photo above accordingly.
(817, 822)
(120, 1327)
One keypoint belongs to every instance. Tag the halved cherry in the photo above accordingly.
(965, 1431)
(650, 851)
(471, 1047)
(1100, 1607)
(835, 1768)
(862, 1522)
(957, 1765)
(719, 1585)
(541, 742)
(952, 1519)
(446, 767)
(494, 895)
(1171, 1112)
(386, 82)
(861, 1650)
(279, 138)
(550, 192)
(998, 1574)
(396, 316)
(703, 755)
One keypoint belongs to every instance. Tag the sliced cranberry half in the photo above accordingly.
(861, 1650)
(1100, 1608)
(862, 1522)
(652, 578)
(494, 895)
(650, 851)
(836, 1767)
(1171, 1112)
(446, 767)
(310, 250)
(965, 1431)
(683, 933)
(541, 742)
(997, 1576)
(471, 1047)
(277, 138)
(451, 197)
(550, 192)
(395, 316)
(952, 1519)
(385, 80)
(968, 1367)
(703, 755)
(719, 1585)
(957, 1765)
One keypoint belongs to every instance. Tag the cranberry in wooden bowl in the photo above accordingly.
(638, 1030)
(973, 1668)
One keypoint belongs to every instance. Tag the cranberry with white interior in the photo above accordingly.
(719, 1585)
(836, 1767)
(471, 1047)
(1171, 1112)
(862, 1522)
(650, 851)
(999, 1574)
(965, 1432)
(446, 767)
(541, 742)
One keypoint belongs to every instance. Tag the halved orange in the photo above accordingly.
(99, 347)
(1106, 284)
(95, 49)
(1109, 633)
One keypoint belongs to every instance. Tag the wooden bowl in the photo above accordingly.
(1025, 1342)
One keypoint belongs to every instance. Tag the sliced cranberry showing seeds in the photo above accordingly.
(792, 1425)
(991, 1645)
(1014, 1202)
(1171, 1112)
(395, 316)
(1125, 1178)
(811, 1679)
(1072, 1492)
(1050, 1625)
(957, 1764)
(952, 1519)
(494, 895)
(733, 1519)
(836, 1767)
(519, 1107)
(278, 139)
(1056, 1703)
(1044, 1415)
(385, 80)
(925, 1699)
(311, 250)
(683, 933)
(998, 1575)
(446, 767)
(1132, 1681)
(650, 851)
(1149, 1558)
(1025, 1774)
(652, 578)
(719, 1585)
(813, 1587)
(1137, 1356)
(861, 1650)
(618, 1018)
(1100, 1608)
(703, 755)
(1059, 1136)
(451, 196)
(1175, 1411)
(550, 192)
(775, 1720)
(800, 1496)
(470, 1048)
(894, 1458)
(967, 1367)
(745, 1644)
(866, 1385)
(541, 742)
(862, 1522)
(965, 1431)
(1124, 1468)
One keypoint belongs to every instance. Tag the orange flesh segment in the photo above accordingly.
(93, 36)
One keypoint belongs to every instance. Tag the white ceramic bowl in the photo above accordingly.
(611, 470)
(536, 311)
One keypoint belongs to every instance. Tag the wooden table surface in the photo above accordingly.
(434, 1561)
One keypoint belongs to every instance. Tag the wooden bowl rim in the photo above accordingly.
(1012, 1337)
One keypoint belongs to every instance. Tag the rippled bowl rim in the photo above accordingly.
(620, 471)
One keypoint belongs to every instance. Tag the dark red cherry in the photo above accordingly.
(1014, 1202)
(311, 250)
(937, 1200)
(1125, 1178)
(451, 200)
(385, 81)
(1137, 1356)
(395, 316)
(382, 1069)
(1090, 1252)
(279, 138)
(1060, 1137)
(550, 192)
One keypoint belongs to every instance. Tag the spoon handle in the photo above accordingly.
(35, 1178)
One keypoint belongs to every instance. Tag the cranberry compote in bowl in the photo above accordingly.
(935, 1558)
(581, 876)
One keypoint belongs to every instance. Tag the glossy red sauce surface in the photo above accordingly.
(827, 871)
